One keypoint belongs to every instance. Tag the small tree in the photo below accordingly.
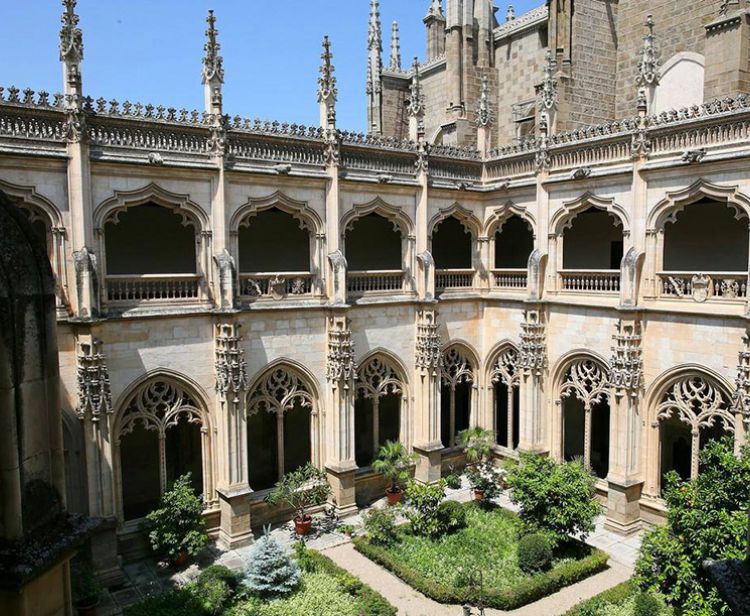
(423, 505)
(270, 570)
(177, 525)
(554, 498)
(477, 443)
(706, 520)
(481, 472)
(395, 462)
(301, 489)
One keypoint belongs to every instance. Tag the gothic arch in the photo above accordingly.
(500, 215)
(563, 218)
(397, 373)
(400, 220)
(38, 204)
(591, 380)
(459, 380)
(192, 214)
(675, 202)
(158, 401)
(296, 370)
(463, 362)
(308, 218)
(502, 364)
(465, 216)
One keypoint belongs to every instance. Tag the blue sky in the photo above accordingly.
(150, 50)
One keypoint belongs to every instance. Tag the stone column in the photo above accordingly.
(341, 373)
(232, 482)
(625, 481)
(532, 361)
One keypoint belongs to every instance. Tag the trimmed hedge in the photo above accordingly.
(616, 595)
(370, 602)
(521, 593)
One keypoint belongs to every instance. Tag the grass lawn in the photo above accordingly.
(489, 543)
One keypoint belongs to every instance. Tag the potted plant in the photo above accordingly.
(394, 462)
(87, 592)
(347, 529)
(485, 480)
(177, 529)
(301, 489)
(482, 474)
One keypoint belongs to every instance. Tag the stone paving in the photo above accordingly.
(144, 578)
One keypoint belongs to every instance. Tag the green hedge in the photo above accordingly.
(616, 595)
(370, 602)
(522, 593)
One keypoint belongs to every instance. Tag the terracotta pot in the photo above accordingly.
(87, 607)
(394, 498)
(478, 495)
(303, 525)
(181, 559)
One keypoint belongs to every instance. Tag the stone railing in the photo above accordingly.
(454, 279)
(358, 283)
(153, 288)
(590, 281)
(276, 285)
(703, 286)
(515, 279)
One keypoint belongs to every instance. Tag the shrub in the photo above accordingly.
(453, 481)
(177, 525)
(596, 606)
(213, 594)
(422, 501)
(452, 517)
(270, 571)
(534, 553)
(646, 604)
(394, 462)
(485, 477)
(706, 520)
(220, 572)
(301, 489)
(380, 525)
(177, 602)
(558, 498)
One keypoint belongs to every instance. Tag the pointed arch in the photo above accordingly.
(307, 217)
(394, 368)
(400, 220)
(502, 364)
(459, 377)
(563, 218)
(503, 381)
(38, 204)
(464, 215)
(578, 356)
(498, 216)
(463, 363)
(675, 202)
(192, 214)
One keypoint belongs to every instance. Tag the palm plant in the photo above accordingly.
(395, 462)
(477, 443)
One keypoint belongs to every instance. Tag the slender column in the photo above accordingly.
(427, 443)
(532, 362)
(509, 442)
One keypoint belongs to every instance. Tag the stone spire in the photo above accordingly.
(213, 68)
(415, 108)
(648, 67)
(395, 63)
(435, 24)
(374, 70)
(327, 91)
(71, 48)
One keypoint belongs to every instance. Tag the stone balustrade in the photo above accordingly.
(374, 281)
(590, 281)
(454, 279)
(701, 287)
(153, 288)
(510, 278)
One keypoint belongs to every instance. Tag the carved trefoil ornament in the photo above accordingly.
(429, 357)
(340, 364)
(533, 350)
(230, 364)
(94, 393)
(627, 360)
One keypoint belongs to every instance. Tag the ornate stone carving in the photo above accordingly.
(340, 364)
(94, 393)
(332, 149)
(640, 146)
(701, 285)
(694, 156)
(533, 351)
(327, 90)
(580, 173)
(429, 357)
(71, 44)
(741, 394)
(159, 405)
(627, 361)
(547, 91)
(484, 106)
(230, 364)
(213, 63)
(648, 67)
(416, 105)
(697, 402)
(338, 273)
(456, 368)
(225, 262)
(505, 369)
(588, 381)
(278, 392)
(542, 158)
(377, 378)
(422, 164)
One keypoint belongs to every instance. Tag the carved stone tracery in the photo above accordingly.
(94, 393)
(230, 364)
(429, 356)
(533, 352)
(340, 364)
(377, 378)
(627, 362)
(456, 368)
(505, 368)
(278, 392)
(588, 381)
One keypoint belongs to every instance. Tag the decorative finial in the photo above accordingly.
(416, 100)
(511, 14)
(375, 40)
(547, 91)
(327, 91)
(648, 67)
(213, 63)
(484, 108)
(395, 64)
(436, 9)
(71, 37)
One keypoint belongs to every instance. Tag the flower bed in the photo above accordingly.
(488, 543)
(325, 590)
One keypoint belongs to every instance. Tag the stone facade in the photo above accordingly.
(626, 362)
